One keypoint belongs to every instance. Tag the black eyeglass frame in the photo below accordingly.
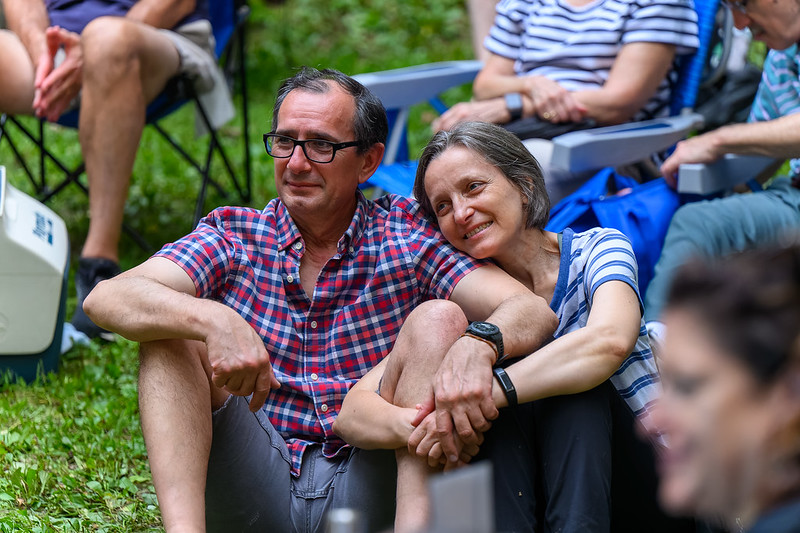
(334, 146)
(738, 5)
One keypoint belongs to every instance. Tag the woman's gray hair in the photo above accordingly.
(499, 148)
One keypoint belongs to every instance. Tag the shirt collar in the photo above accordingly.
(289, 236)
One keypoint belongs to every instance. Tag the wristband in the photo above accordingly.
(506, 385)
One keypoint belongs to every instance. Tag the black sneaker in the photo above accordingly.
(91, 271)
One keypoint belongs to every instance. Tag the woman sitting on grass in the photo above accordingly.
(486, 192)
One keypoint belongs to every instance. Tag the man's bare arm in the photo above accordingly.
(156, 301)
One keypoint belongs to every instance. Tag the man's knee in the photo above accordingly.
(172, 352)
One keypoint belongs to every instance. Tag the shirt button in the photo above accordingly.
(290, 278)
(324, 408)
(314, 376)
(351, 249)
(313, 324)
(298, 245)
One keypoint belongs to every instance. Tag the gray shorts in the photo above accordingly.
(250, 486)
(195, 44)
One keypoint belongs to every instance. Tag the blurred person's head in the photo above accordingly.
(730, 368)
(775, 22)
(482, 187)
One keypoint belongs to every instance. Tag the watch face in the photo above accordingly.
(484, 328)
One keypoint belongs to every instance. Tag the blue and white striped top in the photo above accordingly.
(588, 260)
(779, 91)
(577, 46)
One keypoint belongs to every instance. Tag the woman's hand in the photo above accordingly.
(492, 110)
(424, 442)
(551, 102)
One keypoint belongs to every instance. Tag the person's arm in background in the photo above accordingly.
(481, 17)
(156, 300)
(635, 76)
(779, 138)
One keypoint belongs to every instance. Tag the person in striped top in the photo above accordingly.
(485, 192)
(578, 62)
(742, 221)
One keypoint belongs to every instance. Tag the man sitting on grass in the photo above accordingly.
(292, 305)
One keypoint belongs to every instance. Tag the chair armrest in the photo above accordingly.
(612, 146)
(404, 87)
(731, 170)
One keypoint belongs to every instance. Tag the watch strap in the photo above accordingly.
(506, 385)
(487, 341)
(514, 105)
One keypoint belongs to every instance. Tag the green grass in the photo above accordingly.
(71, 450)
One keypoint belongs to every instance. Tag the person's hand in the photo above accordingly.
(700, 149)
(463, 395)
(492, 110)
(239, 362)
(553, 103)
(424, 441)
(56, 88)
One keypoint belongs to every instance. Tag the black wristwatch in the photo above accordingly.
(488, 332)
(514, 105)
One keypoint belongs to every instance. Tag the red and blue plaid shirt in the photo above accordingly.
(389, 260)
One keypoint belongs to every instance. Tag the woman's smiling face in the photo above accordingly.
(478, 209)
(716, 419)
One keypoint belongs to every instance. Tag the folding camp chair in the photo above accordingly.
(228, 18)
(578, 151)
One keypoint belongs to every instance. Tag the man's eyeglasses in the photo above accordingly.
(738, 5)
(316, 150)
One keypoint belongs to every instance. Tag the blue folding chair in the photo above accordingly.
(228, 18)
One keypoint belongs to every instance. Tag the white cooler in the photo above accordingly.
(34, 265)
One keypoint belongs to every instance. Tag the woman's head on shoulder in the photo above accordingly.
(730, 366)
(499, 148)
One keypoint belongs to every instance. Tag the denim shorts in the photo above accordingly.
(250, 486)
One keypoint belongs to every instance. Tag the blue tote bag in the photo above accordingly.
(642, 214)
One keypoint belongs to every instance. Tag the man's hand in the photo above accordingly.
(553, 103)
(492, 110)
(463, 395)
(425, 444)
(700, 149)
(56, 87)
(239, 361)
